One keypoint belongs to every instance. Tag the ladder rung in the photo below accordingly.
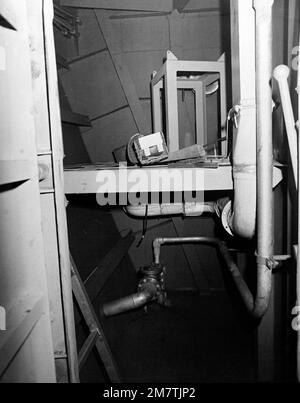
(87, 347)
(96, 336)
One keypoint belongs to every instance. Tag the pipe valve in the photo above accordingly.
(150, 288)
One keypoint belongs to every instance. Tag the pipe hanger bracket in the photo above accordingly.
(269, 262)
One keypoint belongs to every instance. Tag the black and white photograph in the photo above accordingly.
(149, 195)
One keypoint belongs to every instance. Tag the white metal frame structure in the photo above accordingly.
(26, 347)
(39, 343)
(167, 79)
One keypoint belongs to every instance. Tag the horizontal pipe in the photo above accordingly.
(130, 302)
(156, 210)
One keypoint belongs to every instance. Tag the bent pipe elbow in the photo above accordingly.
(156, 249)
(239, 217)
(158, 242)
(257, 306)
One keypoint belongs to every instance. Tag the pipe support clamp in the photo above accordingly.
(269, 262)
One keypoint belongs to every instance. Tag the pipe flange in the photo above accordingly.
(155, 270)
(226, 217)
(153, 278)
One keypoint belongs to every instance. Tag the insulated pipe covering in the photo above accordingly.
(156, 210)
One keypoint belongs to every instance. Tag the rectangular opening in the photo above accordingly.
(186, 117)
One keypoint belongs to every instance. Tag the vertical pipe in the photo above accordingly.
(263, 22)
(298, 250)
(242, 219)
(281, 75)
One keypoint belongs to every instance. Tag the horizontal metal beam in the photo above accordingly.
(132, 5)
(91, 178)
